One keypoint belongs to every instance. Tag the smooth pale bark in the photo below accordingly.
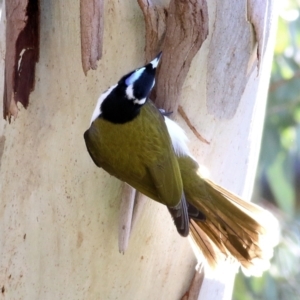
(59, 213)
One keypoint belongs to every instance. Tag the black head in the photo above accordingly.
(123, 102)
(139, 83)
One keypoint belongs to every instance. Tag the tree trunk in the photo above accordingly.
(59, 213)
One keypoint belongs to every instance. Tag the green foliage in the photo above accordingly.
(278, 176)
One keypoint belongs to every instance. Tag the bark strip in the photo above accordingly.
(91, 26)
(155, 16)
(179, 32)
(22, 53)
(187, 29)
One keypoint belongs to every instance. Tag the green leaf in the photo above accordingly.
(288, 137)
(241, 291)
(281, 187)
(271, 291)
(258, 284)
(282, 39)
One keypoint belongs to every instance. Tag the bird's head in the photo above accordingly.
(139, 83)
(121, 102)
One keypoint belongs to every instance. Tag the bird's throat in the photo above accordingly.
(119, 110)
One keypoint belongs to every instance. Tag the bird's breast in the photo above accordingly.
(127, 149)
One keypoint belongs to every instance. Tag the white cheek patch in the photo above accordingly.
(134, 76)
(130, 96)
(129, 92)
(140, 102)
(97, 111)
(178, 137)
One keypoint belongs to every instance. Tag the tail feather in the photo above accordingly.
(260, 215)
(232, 227)
(212, 251)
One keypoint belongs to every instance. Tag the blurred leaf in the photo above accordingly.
(288, 137)
(258, 284)
(271, 292)
(270, 148)
(297, 119)
(286, 67)
(298, 135)
(280, 186)
(241, 290)
(287, 263)
(282, 39)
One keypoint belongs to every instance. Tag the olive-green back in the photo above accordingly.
(138, 152)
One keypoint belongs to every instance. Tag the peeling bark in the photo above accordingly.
(155, 16)
(22, 53)
(191, 126)
(187, 29)
(91, 26)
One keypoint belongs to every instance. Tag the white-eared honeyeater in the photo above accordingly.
(132, 140)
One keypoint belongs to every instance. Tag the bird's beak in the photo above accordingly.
(156, 60)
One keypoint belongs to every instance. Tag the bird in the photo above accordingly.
(134, 141)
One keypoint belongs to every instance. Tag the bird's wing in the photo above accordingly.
(164, 169)
(166, 176)
(140, 153)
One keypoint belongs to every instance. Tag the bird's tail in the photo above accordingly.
(232, 228)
